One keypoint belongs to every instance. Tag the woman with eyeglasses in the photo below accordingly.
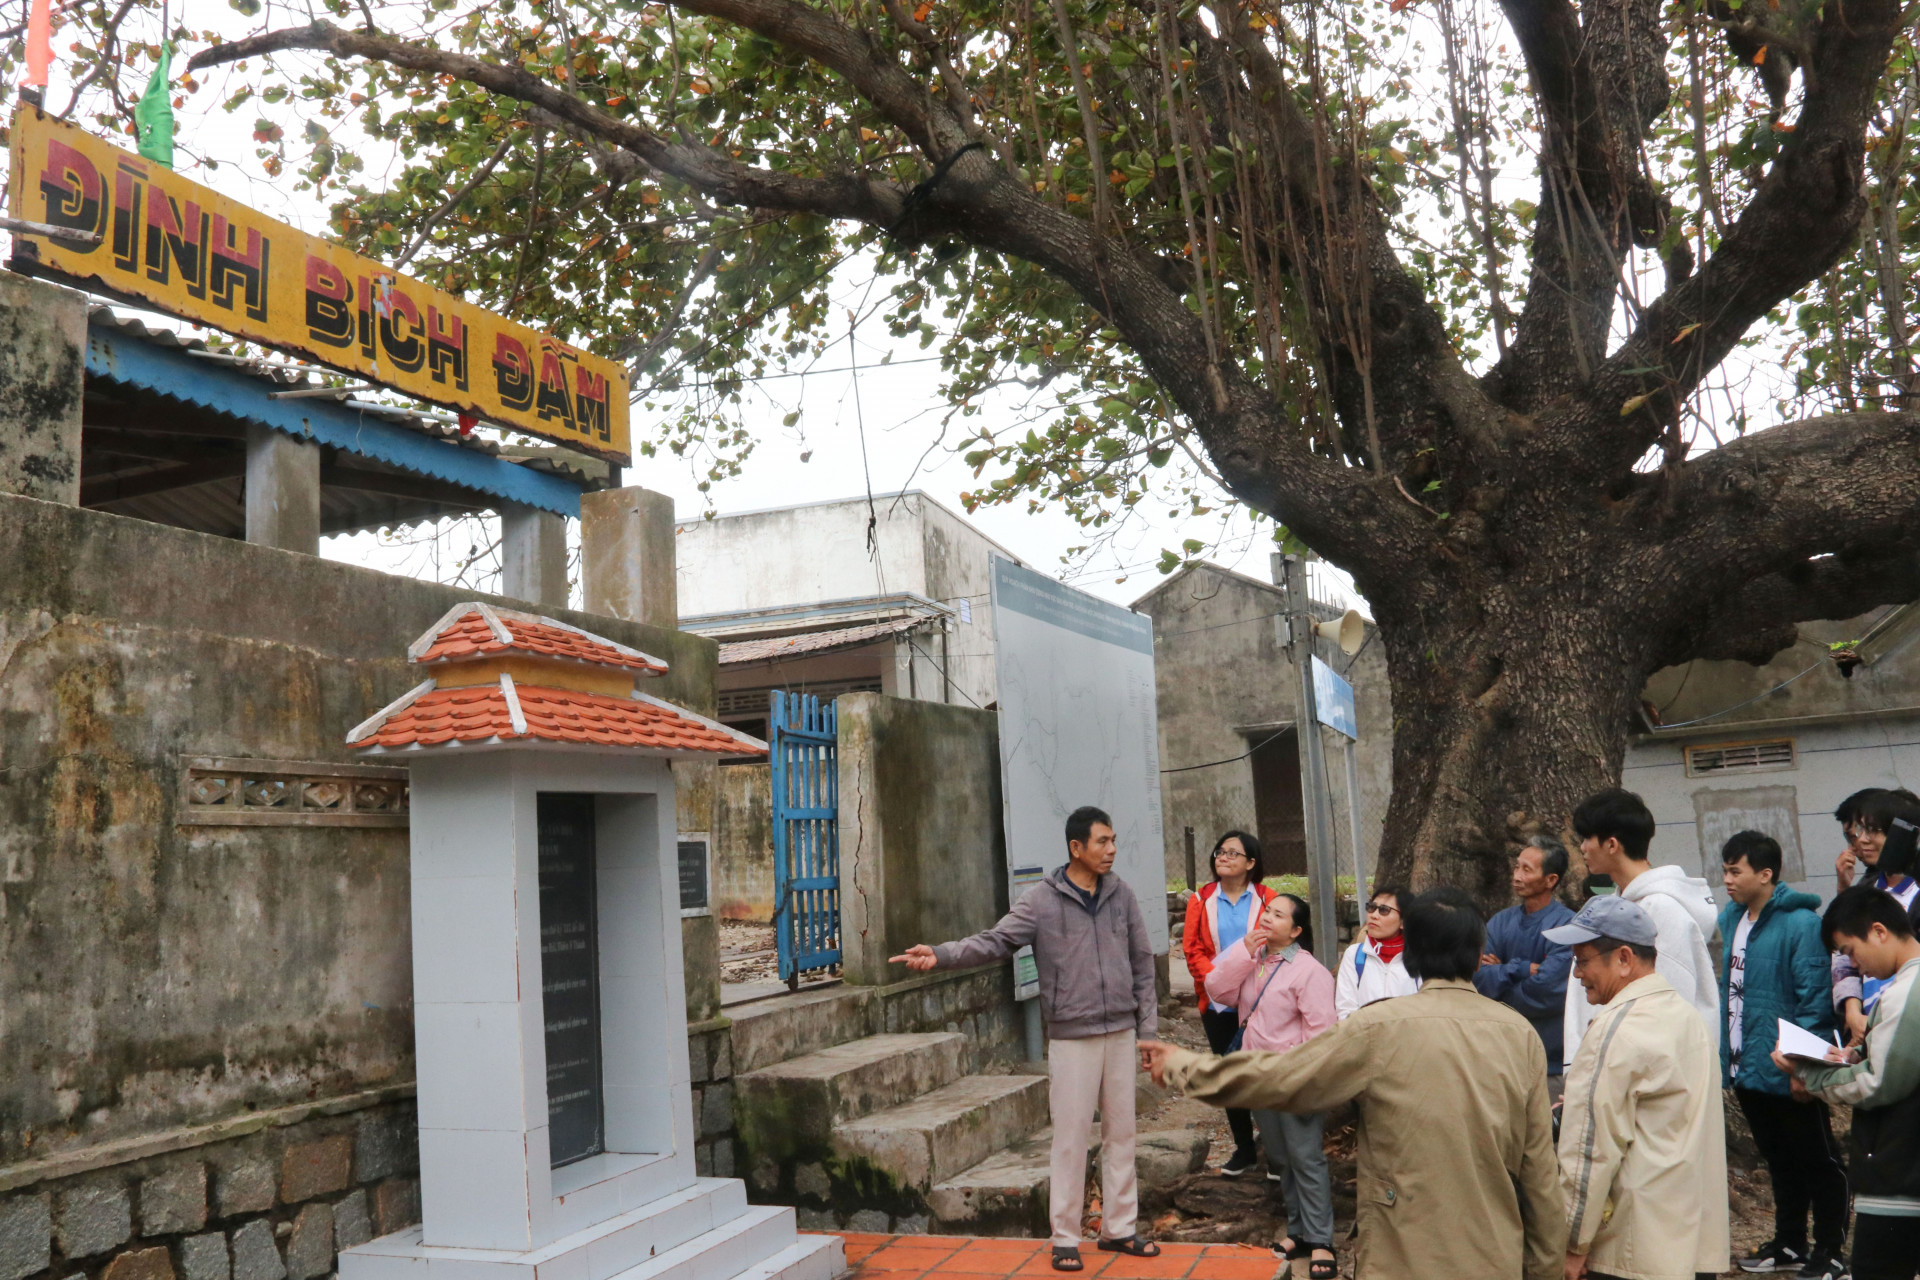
(1372, 968)
(1880, 827)
(1219, 916)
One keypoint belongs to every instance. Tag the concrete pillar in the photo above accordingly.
(283, 491)
(534, 555)
(43, 361)
(627, 556)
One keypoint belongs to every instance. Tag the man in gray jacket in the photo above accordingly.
(1097, 996)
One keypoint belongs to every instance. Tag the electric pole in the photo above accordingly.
(1290, 572)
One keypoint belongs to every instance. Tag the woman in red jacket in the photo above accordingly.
(1217, 917)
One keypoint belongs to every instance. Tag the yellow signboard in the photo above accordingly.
(169, 243)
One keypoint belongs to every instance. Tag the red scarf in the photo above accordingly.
(1390, 948)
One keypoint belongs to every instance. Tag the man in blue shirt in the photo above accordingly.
(1523, 970)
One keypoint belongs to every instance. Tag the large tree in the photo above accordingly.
(1275, 239)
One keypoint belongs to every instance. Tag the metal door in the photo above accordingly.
(806, 834)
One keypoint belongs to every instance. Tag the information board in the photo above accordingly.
(1078, 725)
(169, 243)
(570, 978)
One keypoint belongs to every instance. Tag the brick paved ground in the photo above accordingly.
(876, 1257)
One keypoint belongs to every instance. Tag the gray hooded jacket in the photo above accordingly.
(1096, 965)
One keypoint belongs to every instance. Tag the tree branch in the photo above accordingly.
(1600, 87)
(1804, 216)
(707, 170)
(1787, 525)
(1761, 618)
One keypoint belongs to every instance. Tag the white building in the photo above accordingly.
(840, 597)
(1724, 746)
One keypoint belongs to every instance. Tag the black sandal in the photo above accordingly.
(1065, 1259)
(1132, 1246)
(1321, 1268)
(1288, 1249)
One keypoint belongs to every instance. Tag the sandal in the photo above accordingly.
(1322, 1268)
(1288, 1249)
(1065, 1259)
(1132, 1246)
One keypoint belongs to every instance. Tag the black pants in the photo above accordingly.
(1796, 1141)
(1885, 1248)
(1220, 1028)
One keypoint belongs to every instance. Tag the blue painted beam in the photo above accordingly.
(169, 371)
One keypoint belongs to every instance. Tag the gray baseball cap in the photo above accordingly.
(1608, 917)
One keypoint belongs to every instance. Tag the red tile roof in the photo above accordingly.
(480, 714)
(472, 635)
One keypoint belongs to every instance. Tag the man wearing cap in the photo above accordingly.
(1642, 1136)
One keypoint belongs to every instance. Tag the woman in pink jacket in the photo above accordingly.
(1285, 997)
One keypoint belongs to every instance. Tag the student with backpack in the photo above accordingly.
(1372, 968)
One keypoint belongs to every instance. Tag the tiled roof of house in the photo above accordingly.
(776, 647)
(479, 631)
(485, 713)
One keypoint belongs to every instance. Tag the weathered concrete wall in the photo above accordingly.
(743, 842)
(1220, 668)
(43, 347)
(627, 556)
(159, 975)
(922, 847)
(1846, 734)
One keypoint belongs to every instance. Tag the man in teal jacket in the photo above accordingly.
(1773, 966)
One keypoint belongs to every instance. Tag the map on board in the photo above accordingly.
(1078, 725)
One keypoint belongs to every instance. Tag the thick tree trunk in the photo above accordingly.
(1504, 719)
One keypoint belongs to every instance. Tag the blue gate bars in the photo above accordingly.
(806, 834)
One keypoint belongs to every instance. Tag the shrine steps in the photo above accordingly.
(878, 1132)
(705, 1232)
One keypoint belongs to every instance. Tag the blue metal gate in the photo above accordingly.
(806, 834)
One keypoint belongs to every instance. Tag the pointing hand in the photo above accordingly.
(919, 958)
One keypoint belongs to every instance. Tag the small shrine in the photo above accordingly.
(556, 1125)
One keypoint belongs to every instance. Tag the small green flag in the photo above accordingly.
(153, 114)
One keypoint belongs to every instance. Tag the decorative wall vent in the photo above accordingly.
(1740, 757)
(217, 792)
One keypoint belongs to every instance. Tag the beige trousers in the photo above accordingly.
(1084, 1074)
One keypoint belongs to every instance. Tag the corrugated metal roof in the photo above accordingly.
(284, 378)
(776, 647)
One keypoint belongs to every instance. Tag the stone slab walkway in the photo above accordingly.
(878, 1257)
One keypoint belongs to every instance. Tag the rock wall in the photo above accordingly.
(272, 1196)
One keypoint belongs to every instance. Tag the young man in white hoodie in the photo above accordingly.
(1615, 827)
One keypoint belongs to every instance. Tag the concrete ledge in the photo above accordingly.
(87, 1159)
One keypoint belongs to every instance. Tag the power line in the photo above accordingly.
(1211, 764)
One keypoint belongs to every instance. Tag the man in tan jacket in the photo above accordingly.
(1457, 1175)
(1643, 1132)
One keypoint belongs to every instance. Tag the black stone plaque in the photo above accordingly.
(693, 874)
(570, 979)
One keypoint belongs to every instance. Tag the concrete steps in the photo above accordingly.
(726, 1250)
(857, 1128)
(810, 1095)
(952, 1128)
(1003, 1195)
(705, 1232)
